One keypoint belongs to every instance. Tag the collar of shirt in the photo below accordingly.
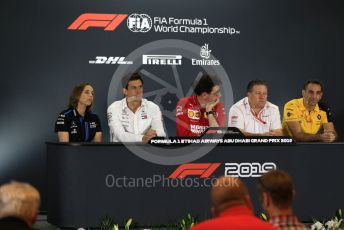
(237, 210)
(283, 219)
(248, 107)
(303, 108)
(76, 114)
(125, 105)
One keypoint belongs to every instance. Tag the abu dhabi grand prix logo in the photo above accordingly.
(165, 85)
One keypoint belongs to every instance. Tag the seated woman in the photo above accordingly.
(78, 123)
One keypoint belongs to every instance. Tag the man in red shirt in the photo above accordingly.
(196, 113)
(232, 208)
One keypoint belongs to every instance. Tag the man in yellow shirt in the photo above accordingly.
(307, 119)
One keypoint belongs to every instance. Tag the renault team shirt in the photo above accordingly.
(310, 122)
(126, 126)
(242, 117)
(80, 129)
(191, 118)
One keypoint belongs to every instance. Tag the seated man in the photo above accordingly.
(231, 207)
(254, 115)
(19, 205)
(134, 119)
(277, 194)
(307, 119)
(196, 113)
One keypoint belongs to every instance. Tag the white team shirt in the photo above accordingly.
(126, 126)
(268, 119)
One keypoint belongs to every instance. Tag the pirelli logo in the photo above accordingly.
(107, 21)
(202, 170)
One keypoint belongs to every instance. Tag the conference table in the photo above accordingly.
(87, 181)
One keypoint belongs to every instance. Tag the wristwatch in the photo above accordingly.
(210, 112)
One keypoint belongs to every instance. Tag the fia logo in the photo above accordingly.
(139, 23)
(205, 52)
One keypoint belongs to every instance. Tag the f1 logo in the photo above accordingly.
(203, 170)
(109, 21)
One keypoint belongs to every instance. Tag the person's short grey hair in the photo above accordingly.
(19, 200)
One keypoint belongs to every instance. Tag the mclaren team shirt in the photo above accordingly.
(310, 122)
(80, 129)
(126, 126)
(191, 118)
(243, 117)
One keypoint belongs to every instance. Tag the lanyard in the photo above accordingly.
(257, 116)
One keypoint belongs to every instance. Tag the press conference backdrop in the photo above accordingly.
(43, 56)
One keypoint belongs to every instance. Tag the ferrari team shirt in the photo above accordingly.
(191, 118)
